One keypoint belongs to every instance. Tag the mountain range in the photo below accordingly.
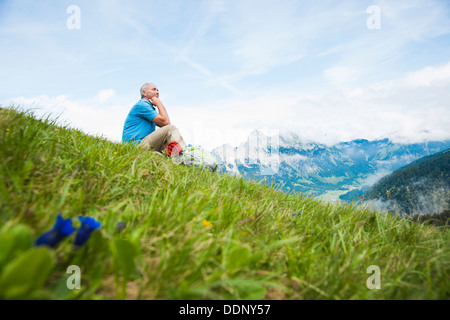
(341, 171)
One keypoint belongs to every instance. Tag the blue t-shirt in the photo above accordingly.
(139, 123)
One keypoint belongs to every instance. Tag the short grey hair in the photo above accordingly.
(144, 86)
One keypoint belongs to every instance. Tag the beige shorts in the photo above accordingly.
(161, 137)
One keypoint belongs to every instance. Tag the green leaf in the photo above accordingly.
(26, 274)
(252, 291)
(14, 241)
(247, 289)
(124, 252)
(238, 257)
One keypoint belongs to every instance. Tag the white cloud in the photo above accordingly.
(341, 75)
(429, 76)
(388, 109)
(105, 95)
(397, 109)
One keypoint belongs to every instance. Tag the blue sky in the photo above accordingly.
(225, 68)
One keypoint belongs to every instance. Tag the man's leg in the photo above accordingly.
(160, 138)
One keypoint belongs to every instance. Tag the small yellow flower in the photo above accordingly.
(115, 152)
(7, 129)
(206, 223)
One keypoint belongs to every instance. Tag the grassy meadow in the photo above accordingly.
(174, 232)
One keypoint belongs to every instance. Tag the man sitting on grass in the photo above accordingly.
(141, 122)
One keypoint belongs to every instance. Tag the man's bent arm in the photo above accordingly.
(162, 119)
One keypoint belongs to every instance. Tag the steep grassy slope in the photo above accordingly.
(422, 187)
(175, 232)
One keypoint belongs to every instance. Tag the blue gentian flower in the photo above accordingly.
(88, 225)
(62, 228)
(296, 214)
